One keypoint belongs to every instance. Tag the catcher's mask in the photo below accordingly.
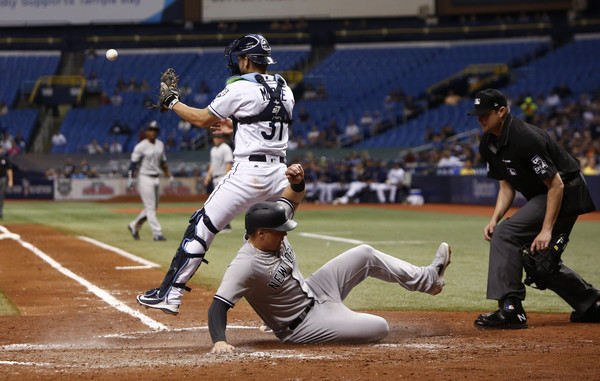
(268, 215)
(253, 46)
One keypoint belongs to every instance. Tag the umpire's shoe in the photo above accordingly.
(150, 300)
(591, 315)
(510, 315)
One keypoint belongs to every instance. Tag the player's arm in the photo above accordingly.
(165, 167)
(9, 175)
(506, 195)
(296, 190)
(200, 117)
(555, 194)
(217, 323)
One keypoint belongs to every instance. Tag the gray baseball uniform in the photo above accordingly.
(219, 157)
(312, 310)
(150, 158)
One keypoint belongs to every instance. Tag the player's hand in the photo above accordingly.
(294, 173)
(172, 180)
(489, 230)
(222, 347)
(223, 126)
(130, 183)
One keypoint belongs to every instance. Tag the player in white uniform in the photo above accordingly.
(262, 105)
(298, 310)
(150, 155)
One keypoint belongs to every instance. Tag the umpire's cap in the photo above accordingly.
(253, 46)
(486, 100)
(153, 126)
(268, 215)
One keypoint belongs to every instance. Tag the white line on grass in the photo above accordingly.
(146, 264)
(358, 242)
(105, 296)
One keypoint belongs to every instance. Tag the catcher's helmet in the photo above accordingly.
(268, 215)
(253, 46)
(153, 125)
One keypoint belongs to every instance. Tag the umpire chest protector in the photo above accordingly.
(275, 110)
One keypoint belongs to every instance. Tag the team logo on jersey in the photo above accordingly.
(539, 165)
(512, 171)
(225, 91)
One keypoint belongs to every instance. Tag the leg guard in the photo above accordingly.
(182, 257)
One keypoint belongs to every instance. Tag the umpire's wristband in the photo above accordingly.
(298, 187)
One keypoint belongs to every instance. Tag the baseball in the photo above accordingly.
(111, 54)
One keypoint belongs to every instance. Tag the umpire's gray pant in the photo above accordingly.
(505, 272)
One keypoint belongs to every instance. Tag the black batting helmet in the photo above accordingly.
(268, 215)
(253, 46)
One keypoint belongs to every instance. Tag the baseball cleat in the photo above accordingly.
(134, 233)
(502, 319)
(160, 238)
(160, 304)
(440, 263)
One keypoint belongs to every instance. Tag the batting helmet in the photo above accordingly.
(153, 126)
(268, 215)
(253, 46)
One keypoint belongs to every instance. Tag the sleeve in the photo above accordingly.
(536, 156)
(136, 155)
(224, 104)
(217, 320)
(236, 281)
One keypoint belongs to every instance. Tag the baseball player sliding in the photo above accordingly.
(149, 154)
(265, 272)
(262, 106)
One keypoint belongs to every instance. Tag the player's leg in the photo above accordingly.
(231, 197)
(334, 322)
(339, 276)
(151, 195)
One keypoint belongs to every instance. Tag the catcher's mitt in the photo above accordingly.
(541, 266)
(169, 93)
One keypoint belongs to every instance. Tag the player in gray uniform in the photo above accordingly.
(150, 155)
(265, 272)
(261, 105)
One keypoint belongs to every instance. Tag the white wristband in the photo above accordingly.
(173, 103)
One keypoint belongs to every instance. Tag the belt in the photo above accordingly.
(146, 174)
(266, 158)
(301, 317)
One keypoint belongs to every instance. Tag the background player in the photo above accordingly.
(262, 105)
(151, 157)
(266, 273)
(221, 160)
(524, 158)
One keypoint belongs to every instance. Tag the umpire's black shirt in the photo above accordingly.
(524, 156)
(4, 166)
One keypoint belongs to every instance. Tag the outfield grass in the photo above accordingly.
(410, 235)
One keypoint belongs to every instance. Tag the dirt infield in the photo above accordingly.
(79, 320)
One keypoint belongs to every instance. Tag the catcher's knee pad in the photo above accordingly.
(183, 259)
(541, 266)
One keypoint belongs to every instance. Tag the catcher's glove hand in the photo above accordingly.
(169, 93)
(541, 266)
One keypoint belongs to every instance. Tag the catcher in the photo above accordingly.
(525, 158)
(262, 105)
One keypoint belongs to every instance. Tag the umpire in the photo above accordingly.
(524, 158)
(6, 178)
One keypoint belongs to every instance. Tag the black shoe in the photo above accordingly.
(501, 319)
(134, 233)
(160, 238)
(591, 315)
(226, 229)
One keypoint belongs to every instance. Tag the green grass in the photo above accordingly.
(410, 235)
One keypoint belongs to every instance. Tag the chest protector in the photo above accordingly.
(275, 110)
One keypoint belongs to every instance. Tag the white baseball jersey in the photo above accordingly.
(245, 98)
(150, 156)
(219, 157)
(395, 176)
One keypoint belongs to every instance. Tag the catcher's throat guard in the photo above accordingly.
(541, 266)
